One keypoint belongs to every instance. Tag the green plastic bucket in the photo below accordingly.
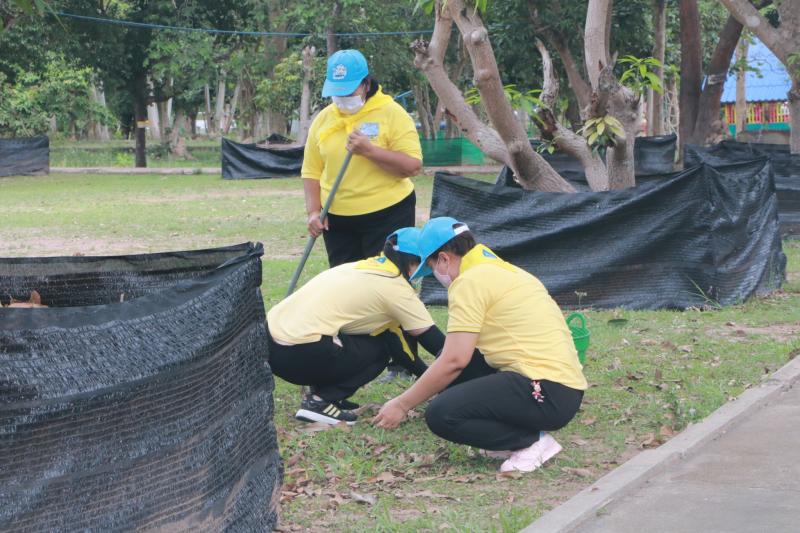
(580, 334)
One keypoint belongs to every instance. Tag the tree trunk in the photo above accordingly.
(691, 68)
(309, 52)
(152, 116)
(103, 129)
(565, 139)
(794, 115)
(193, 123)
(655, 119)
(163, 121)
(530, 167)
(208, 117)
(139, 94)
(219, 107)
(596, 39)
(709, 123)
(330, 36)
(234, 102)
(741, 85)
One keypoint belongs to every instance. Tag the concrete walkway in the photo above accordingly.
(738, 471)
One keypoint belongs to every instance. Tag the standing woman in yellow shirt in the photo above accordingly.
(533, 382)
(376, 195)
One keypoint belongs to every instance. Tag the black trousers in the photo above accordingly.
(333, 372)
(352, 238)
(498, 411)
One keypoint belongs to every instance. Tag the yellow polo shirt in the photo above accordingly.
(354, 298)
(366, 187)
(520, 327)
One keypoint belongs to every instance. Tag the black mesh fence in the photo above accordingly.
(785, 165)
(29, 156)
(249, 161)
(141, 398)
(694, 238)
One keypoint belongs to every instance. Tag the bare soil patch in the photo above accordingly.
(784, 332)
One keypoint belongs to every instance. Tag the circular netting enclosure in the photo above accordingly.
(140, 398)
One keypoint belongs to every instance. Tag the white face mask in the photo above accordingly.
(349, 104)
(444, 279)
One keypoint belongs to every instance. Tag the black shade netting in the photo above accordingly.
(151, 413)
(785, 165)
(693, 238)
(27, 156)
(249, 161)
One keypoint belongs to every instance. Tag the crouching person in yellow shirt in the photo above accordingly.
(341, 329)
(535, 383)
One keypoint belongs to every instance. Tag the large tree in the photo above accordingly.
(604, 101)
(783, 39)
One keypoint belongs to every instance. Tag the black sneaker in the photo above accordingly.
(313, 410)
(346, 405)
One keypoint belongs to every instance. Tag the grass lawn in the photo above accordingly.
(649, 378)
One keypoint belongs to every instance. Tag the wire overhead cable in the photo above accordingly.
(130, 23)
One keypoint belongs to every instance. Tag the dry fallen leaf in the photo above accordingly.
(588, 421)
(384, 477)
(649, 440)
(380, 449)
(577, 441)
(363, 498)
(508, 475)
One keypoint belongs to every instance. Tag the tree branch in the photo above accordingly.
(428, 58)
(531, 169)
(747, 15)
(581, 89)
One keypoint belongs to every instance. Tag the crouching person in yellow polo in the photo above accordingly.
(533, 382)
(341, 329)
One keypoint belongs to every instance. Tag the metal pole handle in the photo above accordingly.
(322, 216)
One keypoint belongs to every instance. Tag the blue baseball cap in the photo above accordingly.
(407, 240)
(433, 236)
(346, 70)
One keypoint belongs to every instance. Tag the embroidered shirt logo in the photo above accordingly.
(339, 72)
(490, 255)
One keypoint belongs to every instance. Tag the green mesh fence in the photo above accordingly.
(450, 152)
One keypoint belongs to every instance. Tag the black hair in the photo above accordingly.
(401, 260)
(458, 245)
(372, 86)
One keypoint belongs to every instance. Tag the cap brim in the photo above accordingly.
(422, 270)
(339, 88)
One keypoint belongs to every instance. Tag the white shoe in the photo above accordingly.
(530, 458)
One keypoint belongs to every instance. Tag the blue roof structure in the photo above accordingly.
(771, 82)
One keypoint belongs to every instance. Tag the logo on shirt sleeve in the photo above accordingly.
(490, 255)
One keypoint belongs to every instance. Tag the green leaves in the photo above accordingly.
(640, 74)
(602, 132)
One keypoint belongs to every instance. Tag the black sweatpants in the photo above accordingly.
(352, 238)
(333, 372)
(498, 411)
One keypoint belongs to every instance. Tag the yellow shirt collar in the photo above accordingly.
(379, 263)
(349, 122)
(482, 255)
